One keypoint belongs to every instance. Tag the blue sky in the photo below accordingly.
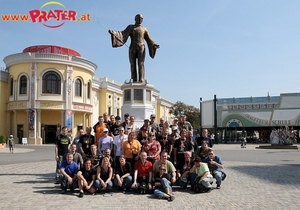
(231, 48)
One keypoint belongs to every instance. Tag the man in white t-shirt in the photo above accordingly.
(118, 142)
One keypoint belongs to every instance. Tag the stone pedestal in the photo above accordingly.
(137, 101)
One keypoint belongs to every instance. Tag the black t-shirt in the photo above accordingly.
(183, 166)
(208, 140)
(86, 141)
(88, 175)
(62, 142)
(104, 174)
(165, 145)
(114, 129)
(121, 171)
(182, 146)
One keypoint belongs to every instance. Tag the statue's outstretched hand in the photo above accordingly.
(156, 46)
(111, 32)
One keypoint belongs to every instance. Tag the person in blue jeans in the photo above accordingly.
(163, 184)
(215, 166)
(104, 175)
(68, 174)
(123, 179)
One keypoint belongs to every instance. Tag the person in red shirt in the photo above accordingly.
(142, 174)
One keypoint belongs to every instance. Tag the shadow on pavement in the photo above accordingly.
(287, 174)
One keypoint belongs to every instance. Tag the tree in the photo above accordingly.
(192, 113)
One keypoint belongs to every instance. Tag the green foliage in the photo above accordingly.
(2, 139)
(192, 113)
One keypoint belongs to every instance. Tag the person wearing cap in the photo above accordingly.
(154, 125)
(175, 124)
(162, 184)
(11, 143)
(86, 141)
(105, 142)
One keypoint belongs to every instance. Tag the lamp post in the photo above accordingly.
(200, 115)
(215, 119)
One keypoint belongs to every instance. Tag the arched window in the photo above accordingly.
(11, 92)
(89, 90)
(51, 83)
(23, 85)
(77, 87)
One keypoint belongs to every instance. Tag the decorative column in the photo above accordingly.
(32, 105)
(69, 98)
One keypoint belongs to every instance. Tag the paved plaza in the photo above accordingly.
(256, 179)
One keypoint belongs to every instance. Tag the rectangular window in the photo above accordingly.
(127, 96)
(138, 95)
(148, 96)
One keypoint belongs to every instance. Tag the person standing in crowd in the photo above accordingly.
(152, 148)
(205, 138)
(161, 126)
(180, 147)
(105, 142)
(85, 141)
(215, 166)
(77, 158)
(166, 143)
(184, 124)
(11, 143)
(175, 124)
(126, 120)
(118, 143)
(99, 127)
(62, 145)
(132, 126)
(153, 124)
(76, 140)
(106, 119)
(193, 143)
(131, 149)
(115, 124)
(94, 156)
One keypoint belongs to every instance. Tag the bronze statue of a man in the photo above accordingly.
(137, 33)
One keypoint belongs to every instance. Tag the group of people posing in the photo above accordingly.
(151, 158)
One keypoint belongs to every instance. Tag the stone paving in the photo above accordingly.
(247, 186)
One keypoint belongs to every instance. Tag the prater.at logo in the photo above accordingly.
(56, 14)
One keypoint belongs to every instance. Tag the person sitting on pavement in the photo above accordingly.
(162, 184)
(215, 166)
(68, 174)
(86, 141)
(77, 158)
(123, 178)
(104, 175)
(170, 169)
(142, 174)
(86, 177)
(94, 156)
(203, 178)
(183, 171)
(202, 152)
(152, 148)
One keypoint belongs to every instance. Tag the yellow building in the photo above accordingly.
(46, 87)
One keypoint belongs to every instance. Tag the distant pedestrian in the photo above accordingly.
(244, 142)
(11, 143)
